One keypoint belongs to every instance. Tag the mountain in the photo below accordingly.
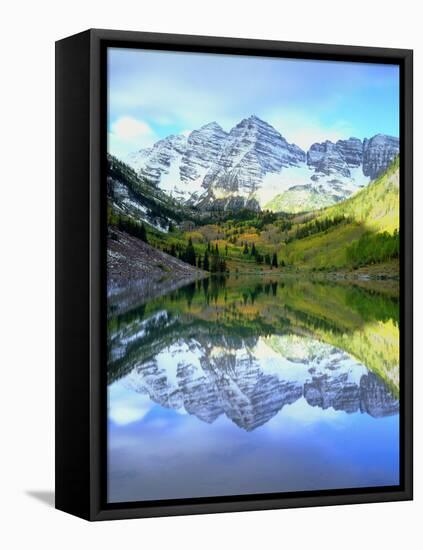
(378, 153)
(254, 166)
(341, 169)
(132, 195)
(177, 165)
(253, 149)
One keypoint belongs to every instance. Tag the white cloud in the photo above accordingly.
(125, 405)
(129, 134)
(128, 128)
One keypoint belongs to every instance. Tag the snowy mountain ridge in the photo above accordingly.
(254, 166)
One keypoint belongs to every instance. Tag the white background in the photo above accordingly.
(28, 32)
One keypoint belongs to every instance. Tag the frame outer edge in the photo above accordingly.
(97, 36)
(96, 245)
(72, 395)
(407, 285)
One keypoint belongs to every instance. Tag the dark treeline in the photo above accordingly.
(217, 262)
(255, 219)
(317, 226)
(186, 254)
(124, 223)
(248, 218)
(158, 203)
(211, 261)
(271, 261)
(373, 248)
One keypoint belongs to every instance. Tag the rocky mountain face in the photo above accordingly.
(372, 155)
(252, 149)
(203, 147)
(340, 169)
(335, 158)
(378, 153)
(351, 151)
(368, 396)
(253, 166)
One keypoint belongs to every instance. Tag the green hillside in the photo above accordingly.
(376, 206)
(369, 232)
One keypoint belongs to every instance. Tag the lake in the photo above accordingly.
(241, 385)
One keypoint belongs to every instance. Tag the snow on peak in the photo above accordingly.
(254, 161)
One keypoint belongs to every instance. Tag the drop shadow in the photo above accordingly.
(46, 497)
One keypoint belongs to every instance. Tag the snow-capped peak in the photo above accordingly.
(253, 163)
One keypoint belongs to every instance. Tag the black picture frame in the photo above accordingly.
(80, 273)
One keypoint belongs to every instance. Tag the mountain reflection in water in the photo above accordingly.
(235, 354)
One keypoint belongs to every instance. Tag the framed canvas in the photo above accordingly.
(233, 274)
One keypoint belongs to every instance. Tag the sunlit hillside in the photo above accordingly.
(368, 234)
(376, 206)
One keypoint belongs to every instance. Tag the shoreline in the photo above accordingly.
(136, 293)
(138, 272)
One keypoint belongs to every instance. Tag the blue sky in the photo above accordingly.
(153, 94)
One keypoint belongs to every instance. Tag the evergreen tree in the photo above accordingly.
(143, 233)
(173, 250)
(267, 260)
(215, 264)
(246, 249)
(226, 249)
(373, 248)
(199, 262)
(190, 254)
(206, 265)
(253, 250)
(274, 260)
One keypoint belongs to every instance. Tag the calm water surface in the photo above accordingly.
(243, 386)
